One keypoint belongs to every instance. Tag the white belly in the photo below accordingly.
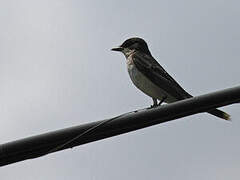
(146, 86)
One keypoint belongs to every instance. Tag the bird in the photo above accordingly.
(151, 78)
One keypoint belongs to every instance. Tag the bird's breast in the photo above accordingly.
(143, 83)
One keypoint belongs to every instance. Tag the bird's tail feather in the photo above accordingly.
(220, 114)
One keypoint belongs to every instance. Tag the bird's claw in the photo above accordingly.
(154, 106)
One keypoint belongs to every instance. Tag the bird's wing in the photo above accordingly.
(155, 73)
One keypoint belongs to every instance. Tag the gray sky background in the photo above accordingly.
(57, 71)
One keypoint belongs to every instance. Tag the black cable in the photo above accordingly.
(91, 129)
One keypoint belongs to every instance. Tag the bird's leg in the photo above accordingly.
(162, 100)
(155, 103)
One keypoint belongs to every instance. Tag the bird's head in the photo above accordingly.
(133, 44)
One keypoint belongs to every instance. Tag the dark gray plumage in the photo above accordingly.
(151, 78)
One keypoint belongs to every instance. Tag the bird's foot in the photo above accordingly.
(153, 106)
(162, 100)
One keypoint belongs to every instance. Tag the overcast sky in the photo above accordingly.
(57, 71)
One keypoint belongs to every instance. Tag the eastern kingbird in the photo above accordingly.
(150, 77)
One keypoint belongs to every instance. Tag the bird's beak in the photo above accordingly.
(117, 49)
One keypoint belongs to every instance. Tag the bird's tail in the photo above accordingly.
(220, 114)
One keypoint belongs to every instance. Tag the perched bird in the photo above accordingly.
(150, 77)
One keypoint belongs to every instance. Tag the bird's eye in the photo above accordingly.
(128, 43)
